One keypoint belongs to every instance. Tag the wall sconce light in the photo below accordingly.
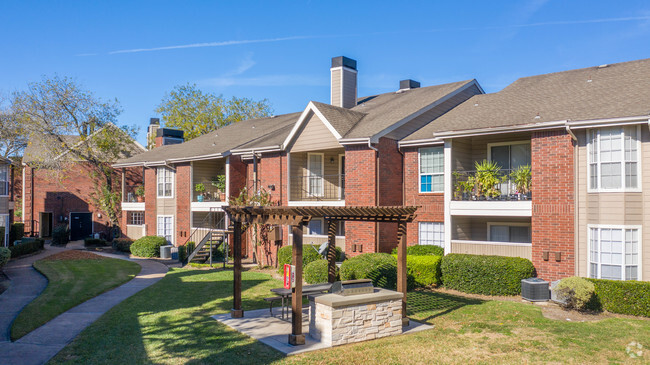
(331, 159)
(99, 215)
(272, 187)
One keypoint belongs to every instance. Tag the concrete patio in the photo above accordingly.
(274, 331)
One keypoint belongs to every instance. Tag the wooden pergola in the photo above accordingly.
(297, 217)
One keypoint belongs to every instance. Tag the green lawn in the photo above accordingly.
(70, 283)
(169, 323)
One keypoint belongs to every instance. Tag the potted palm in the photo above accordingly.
(521, 178)
(487, 179)
(199, 188)
(220, 183)
(139, 193)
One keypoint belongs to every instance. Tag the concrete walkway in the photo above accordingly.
(40, 345)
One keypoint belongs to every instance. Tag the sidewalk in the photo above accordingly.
(42, 344)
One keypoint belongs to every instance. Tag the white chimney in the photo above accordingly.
(344, 82)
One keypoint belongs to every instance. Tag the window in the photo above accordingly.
(4, 180)
(614, 253)
(504, 232)
(165, 182)
(135, 218)
(431, 169)
(510, 156)
(613, 158)
(340, 228)
(315, 227)
(432, 234)
(166, 227)
(315, 170)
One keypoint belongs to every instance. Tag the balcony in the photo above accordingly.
(133, 198)
(315, 188)
(492, 248)
(209, 188)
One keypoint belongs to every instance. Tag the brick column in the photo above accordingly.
(390, 189)
(150, 194)
(183, 195)
(360, 181)
(28, 214)
(553, 204)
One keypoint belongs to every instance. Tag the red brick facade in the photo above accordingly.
(360, 189)
(391, 175)
(150, 195)
(553, 204)
(183, 185)
(431, 205)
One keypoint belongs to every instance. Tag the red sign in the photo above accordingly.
(289, 276)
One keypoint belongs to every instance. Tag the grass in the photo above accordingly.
(169, 323)
(70, 283)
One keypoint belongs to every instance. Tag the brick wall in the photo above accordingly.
(183, 195)
(391, 176)
(133, 177)
(150, 194)
(360, 190)
(237, 175)
(431, 205)
(553, 203)
(28, 198)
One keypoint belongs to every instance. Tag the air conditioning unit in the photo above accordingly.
(535, 290)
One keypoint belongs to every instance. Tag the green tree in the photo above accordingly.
(72, 126)
(196, 112)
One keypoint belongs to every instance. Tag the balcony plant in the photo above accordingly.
(521, 178)
(199, 188)
(464, 189)
(487, 179)
(220, 183)
(139, 193)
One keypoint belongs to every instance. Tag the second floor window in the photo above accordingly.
(4, 180)
(431, 169)
(135, 218)
(613, 158)
(165, 178)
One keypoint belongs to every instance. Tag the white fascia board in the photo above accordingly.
(352, 141)
(311, 108)
(500, 130)
(606, 122)
(196, 158)
(420, 142)
(394, 126)
(250, 151)
(129, 164)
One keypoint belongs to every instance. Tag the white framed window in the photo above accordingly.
(166, 227)
(431, 169)
(614, 252)
(4, 180)
(316, 226)
(134, 218)
(509, 232)
(165, 178)
(315, 168)
(613, 159)
(431, 233)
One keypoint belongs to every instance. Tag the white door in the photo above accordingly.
(166, 227)
(315, 177)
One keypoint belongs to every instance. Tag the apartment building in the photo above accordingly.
(6, 197)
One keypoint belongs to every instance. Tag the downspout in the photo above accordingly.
(376, 192)
(576, 202)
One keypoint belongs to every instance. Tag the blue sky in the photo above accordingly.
(136, 51)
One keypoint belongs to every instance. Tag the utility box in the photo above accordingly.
(535, 290)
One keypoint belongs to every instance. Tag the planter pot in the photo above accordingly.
(199, 198)
(222, 197)
(140, 199)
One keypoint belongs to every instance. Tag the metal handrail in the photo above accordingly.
(317, 187)
(506, 186)
(206, 234)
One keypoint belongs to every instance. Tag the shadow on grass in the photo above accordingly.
(425, 305)
(171, 322)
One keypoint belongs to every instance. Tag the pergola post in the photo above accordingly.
(401, 268)
(296, 337)
(331, 250)
(237, 311)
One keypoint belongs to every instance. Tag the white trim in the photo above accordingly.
(432, 174)
(173, 182)
(207, 206)
(197, 158)
(353, 141)
(447, 198)
(311, 108)
(439, 224)
(227, 168)
(639, 164)
(341, 176)
(622, 227)
(321, 203)
(329, 126)
(421, 142)
(309, 173)
(510, 224)
(487, 208)
(172, 229)
(126, 206)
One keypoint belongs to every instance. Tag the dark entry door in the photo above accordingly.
(81, 225)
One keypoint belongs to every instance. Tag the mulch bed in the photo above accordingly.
(74, 255)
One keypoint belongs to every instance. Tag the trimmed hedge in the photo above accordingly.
(309, 254)
(5, 255)
(27, 246)
(122, 244)
(60, 235)
(381, 268)
(148, 246)
(425, 270)
(624, 297)
(16, 232)
(421, 250)
(489, 275)
(94, 242)
(316, 272)
(577, 292)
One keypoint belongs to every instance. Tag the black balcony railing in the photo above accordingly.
(317, 187)
(208, 191)
(504, 184)
(133, 194)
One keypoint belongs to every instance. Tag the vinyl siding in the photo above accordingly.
(298, 171)
(134, 232)
(314, 136)
(493, 250)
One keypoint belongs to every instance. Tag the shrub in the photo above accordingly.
(425, 270)
(2, 236)
(5, 255)
(490, 275)
(148, 246)
(94, 242)
(122, 244)
(624, 297)
(182, 253)
(316, 272)
(60, 235)
(576, 291)
(381, 268)
(420, 250)
(309, 254)
(16, 232)
(27, 246)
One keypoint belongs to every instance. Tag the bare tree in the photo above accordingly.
(13, 136)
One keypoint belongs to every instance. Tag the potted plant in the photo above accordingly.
(220, 183)
(199, 188)
(139, 193)
(521, 178)
(487, 179)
